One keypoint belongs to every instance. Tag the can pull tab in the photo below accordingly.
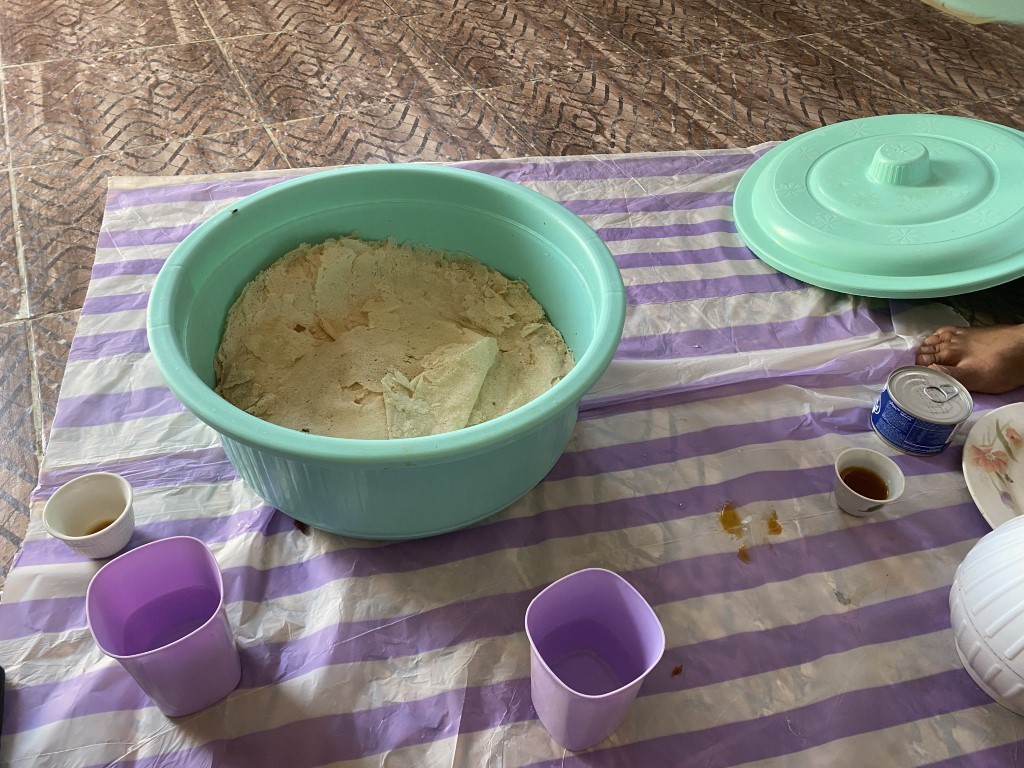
(941, 393)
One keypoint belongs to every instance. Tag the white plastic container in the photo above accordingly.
(987, 612)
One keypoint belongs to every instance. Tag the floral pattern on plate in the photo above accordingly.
(993, 463)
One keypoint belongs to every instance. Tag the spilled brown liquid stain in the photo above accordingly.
(729, 519)
(677, 670)
(732, 523)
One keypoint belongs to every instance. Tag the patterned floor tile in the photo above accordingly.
(18, 464)
(919, 9)
(230, 18)
(792, 18)
(778, 90)
(410, 8)
(491, 45)
(942, 63)
(51, 337)
(61, 110)
(666, 28)
(11, 282)
(1011, 34)
(458, 127)
(1008, 110)
(39, 30)
(601, 111)
(60, 205)
(311, 73)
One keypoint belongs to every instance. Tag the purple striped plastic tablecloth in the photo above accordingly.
(827, 643)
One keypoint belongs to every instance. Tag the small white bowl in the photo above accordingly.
(854, 503)
(92, 514)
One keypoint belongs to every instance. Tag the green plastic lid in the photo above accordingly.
(897, 206)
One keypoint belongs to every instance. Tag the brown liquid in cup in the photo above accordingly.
(866, 482)
(97, 527)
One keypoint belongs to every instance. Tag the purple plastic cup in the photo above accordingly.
(593, 640)
(159, 610)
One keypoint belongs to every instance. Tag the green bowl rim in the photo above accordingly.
(240, 426)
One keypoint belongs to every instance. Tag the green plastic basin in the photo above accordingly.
(410, 487)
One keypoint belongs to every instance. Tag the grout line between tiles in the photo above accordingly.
(37, 395)
(24, 311)
(19, 248)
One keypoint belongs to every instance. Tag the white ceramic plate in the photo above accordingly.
(994, 463)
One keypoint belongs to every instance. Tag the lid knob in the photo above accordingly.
(900, 163)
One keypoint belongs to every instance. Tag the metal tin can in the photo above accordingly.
(920, 410)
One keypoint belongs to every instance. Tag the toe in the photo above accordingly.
(944, 335)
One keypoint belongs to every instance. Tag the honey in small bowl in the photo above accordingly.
(98, 526)
(866, 482)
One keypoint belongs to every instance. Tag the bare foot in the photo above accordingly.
(984, 359)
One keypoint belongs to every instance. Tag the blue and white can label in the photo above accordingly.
(920, 410)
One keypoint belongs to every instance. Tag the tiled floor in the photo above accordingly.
(93, 88)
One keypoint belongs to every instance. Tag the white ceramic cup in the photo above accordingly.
(92, 514)
(858, 504)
